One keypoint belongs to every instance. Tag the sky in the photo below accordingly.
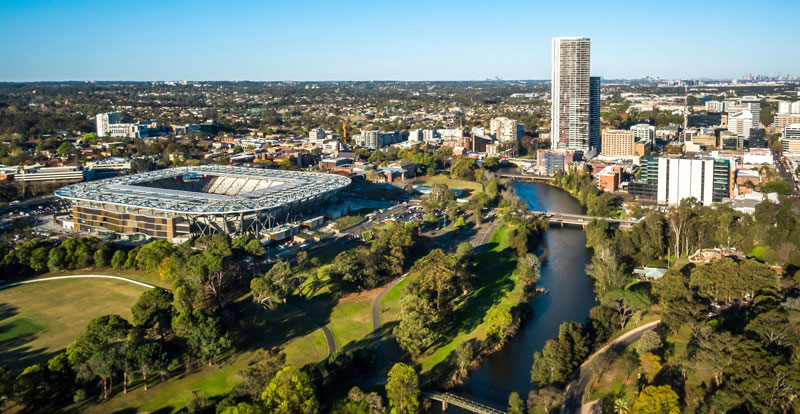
(390, 40)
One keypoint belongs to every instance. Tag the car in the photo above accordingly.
(711, 315)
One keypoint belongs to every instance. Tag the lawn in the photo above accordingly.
(138, 275)
(452, 183)
(38, 320)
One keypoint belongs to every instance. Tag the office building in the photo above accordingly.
(741, 123)
(758, 138)
(316, 135)
(609, 178)
(707, 141)
(729, 140)
(784, 120)
(715, 106)
(415, 135)
(551, 162)
(704, 119)
(506, 130)
(707, 180)
(644, 131)
(104, 121)
(570, 93)
(753, 104)
(617, 143)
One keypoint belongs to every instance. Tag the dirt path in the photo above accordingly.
(46, 279)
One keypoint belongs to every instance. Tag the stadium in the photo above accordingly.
(177, 203)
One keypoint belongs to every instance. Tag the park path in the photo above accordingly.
(573, 399)
(46, 279)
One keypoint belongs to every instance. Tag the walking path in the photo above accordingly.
(573, 399)
(46, 279)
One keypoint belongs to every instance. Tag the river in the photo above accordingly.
(570, 298)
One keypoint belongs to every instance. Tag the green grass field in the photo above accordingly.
(472, 186)
(38, 320)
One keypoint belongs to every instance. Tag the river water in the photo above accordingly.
(570, 298)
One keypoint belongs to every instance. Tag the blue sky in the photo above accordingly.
(377, 40)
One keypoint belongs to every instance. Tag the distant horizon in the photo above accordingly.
(446, 40)
(365, 80)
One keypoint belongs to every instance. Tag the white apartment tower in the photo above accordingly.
(104, 121)
(753, 104)
(570, 93)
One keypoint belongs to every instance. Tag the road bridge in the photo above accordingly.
(582, 220)
(451, 399)
(528, 177)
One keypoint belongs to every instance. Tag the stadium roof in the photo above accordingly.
(240, 190)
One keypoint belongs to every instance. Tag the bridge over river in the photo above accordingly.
(582, 220)
(447, 398)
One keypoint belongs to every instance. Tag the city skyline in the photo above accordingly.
(410, 41)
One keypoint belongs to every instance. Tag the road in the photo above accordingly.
(573, 399)
(785, 173)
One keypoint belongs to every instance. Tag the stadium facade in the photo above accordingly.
(177, 203)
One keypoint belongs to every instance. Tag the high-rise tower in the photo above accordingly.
(571, 94)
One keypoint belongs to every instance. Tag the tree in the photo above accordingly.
(402, 389)
(282, 280)
(39, 258)
(55, 258)
(656, 400)
(153, 311)
(266, 363)
(436, 278)
(64, 149)
(96, 353)
(491, 163)
(140, 357)
(202, 333)
(528, 267)
(625, 302)
(6, 385)
(118, 259)
(463, 168)
(290, 391)
(515, 404)
(416, 330)
(649, 342)
(548, 398)
(560, 356)
(502, 324)
(358, 402)
(772, 327)
(100, 258)
(651, 365)
(465, 353)
(607, 270)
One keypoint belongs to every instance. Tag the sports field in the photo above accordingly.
(38, 320)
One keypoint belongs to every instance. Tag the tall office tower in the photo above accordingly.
(752, 104)
(570, 92)
(595, 140)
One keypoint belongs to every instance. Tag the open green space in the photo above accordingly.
(37, 320)
(133, 274)
(453, 184)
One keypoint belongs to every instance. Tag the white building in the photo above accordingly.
(504, 129)
(415, 135)
(753, 104)
(680, 178)
(715, 106)
(740, 123)
(570, 94)
(104, 121)
(644, 132)
(786, 107)
(316, 135)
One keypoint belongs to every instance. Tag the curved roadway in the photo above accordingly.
(573, 399)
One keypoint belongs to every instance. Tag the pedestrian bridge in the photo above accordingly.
(447, 399)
